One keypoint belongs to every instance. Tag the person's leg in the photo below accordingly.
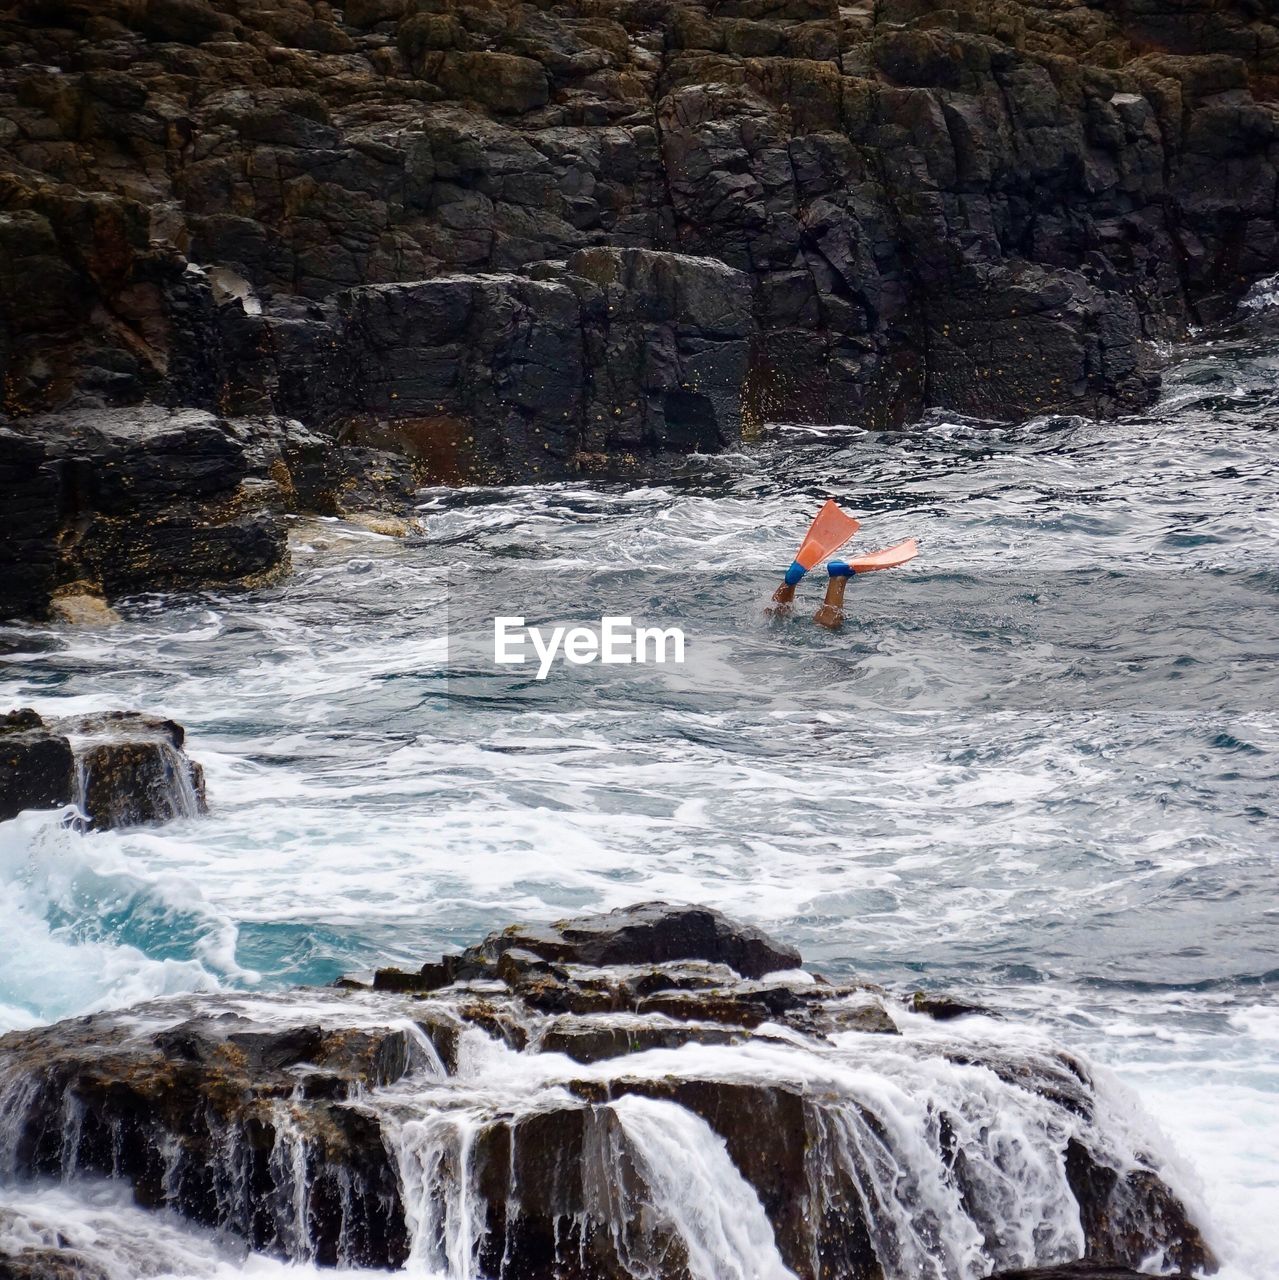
(830, 614)
(780, 605)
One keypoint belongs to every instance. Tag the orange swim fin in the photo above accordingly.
(888, 558)
(828, 532)
(830, 613)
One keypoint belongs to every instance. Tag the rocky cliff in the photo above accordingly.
(112, 501)
(518, 239)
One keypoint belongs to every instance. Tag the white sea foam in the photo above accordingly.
(875, 1104)
(101, 1224)
(65, 901)
(693, 1185)
(1215, 1101)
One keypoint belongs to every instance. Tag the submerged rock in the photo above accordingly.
(487, 1134)
(120, 768)
(943, 1008)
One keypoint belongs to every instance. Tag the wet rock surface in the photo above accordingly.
(121, 768)
(195, 1083)
(650, 933)
(943, 1007)
(37, 768)
(1081, 1271)
(615, 352)
(523, 240)
(477, 1127)
(148, 498)
(50, 1264)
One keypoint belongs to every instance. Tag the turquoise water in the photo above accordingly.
(1038, 768)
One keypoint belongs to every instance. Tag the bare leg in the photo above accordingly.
(830, 613)
(780, 606)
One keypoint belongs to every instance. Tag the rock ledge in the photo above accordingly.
(564, 1116)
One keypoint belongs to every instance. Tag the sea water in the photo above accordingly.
(1037, 768)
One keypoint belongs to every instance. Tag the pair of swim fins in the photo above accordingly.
(829, 531)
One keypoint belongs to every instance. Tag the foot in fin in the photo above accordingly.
(829, 531)
(830, 613)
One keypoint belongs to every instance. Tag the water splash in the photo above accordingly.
(160, 779)
(86, 928)
(99, 1226)
(693, 1185)
(1131, 855)
(938, 1155)
(445, 1215)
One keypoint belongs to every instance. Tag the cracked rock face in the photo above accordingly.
(576, 1117)
(514, 240)
(614, 351)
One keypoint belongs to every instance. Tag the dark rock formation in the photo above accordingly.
(30, 513)
(122, 768)
(50, 1264)
(347, 1127)
(1082, 1271)
(647, 934)
(147, 498)
(615, 350)
(943, 1008)
(678, 991)
(988, 206)
(203, 1081)
(131, 769)
(37, 769)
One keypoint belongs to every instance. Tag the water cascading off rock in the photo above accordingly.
(709, 1126)
(119, 768)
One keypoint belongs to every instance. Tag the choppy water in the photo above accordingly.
(1040, 768)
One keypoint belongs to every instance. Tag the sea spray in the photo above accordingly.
(443, 1210)
(952, 1176)
(358, 1128)
(86, 929)
(98, 1224)
(159, 777)
(289, 1176)
(955, 1167)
